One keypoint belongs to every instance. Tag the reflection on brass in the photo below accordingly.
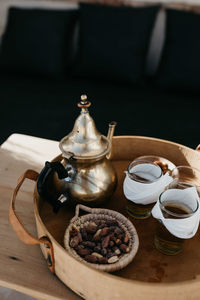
(87, 151)
(111, 130)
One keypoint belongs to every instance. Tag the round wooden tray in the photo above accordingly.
(151, 275)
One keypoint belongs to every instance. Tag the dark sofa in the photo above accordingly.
(45, 105)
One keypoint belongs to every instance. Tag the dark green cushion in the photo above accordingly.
(37, 40)
(114, 41)
(180, 63)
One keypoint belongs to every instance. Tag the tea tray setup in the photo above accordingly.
(150, 275)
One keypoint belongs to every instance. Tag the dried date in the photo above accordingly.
(97, 235)
(84, 251)
(102, 260)
(97, 249)
(111, 244)
(124, 248)
(105, 241)
(89, 244)
(74, 241)
(126, 238)
(91, 228)
(100, 241)
(104, 251)
(104, 231)
(83, 233)
(113, 259)
(91, 258)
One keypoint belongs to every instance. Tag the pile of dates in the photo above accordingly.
(100, 241)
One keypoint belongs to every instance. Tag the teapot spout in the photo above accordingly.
(111, 130)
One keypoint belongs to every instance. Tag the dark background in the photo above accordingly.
(48, 109)
(46, 106)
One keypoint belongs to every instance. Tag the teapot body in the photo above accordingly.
(93, 183)
(85, 174)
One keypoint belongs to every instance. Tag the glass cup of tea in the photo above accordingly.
(143, 183)
(177, 211)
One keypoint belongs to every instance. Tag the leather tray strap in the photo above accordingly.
(19, 228)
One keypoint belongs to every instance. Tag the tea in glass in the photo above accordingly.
(164, 241)
(141, 174)
(177, 213)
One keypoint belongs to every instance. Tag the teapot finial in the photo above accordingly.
(83, 98)
(84, 103)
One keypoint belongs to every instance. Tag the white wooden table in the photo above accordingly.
(23, 267)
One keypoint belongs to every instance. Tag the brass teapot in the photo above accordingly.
(85, 174)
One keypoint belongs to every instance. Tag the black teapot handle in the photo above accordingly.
(49, 168)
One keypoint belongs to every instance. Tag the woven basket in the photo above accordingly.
(104, 214)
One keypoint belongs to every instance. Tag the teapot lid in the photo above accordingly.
(84, 141)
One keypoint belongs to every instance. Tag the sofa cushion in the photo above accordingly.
(180, 62)
(37, 40)
(114, 41)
